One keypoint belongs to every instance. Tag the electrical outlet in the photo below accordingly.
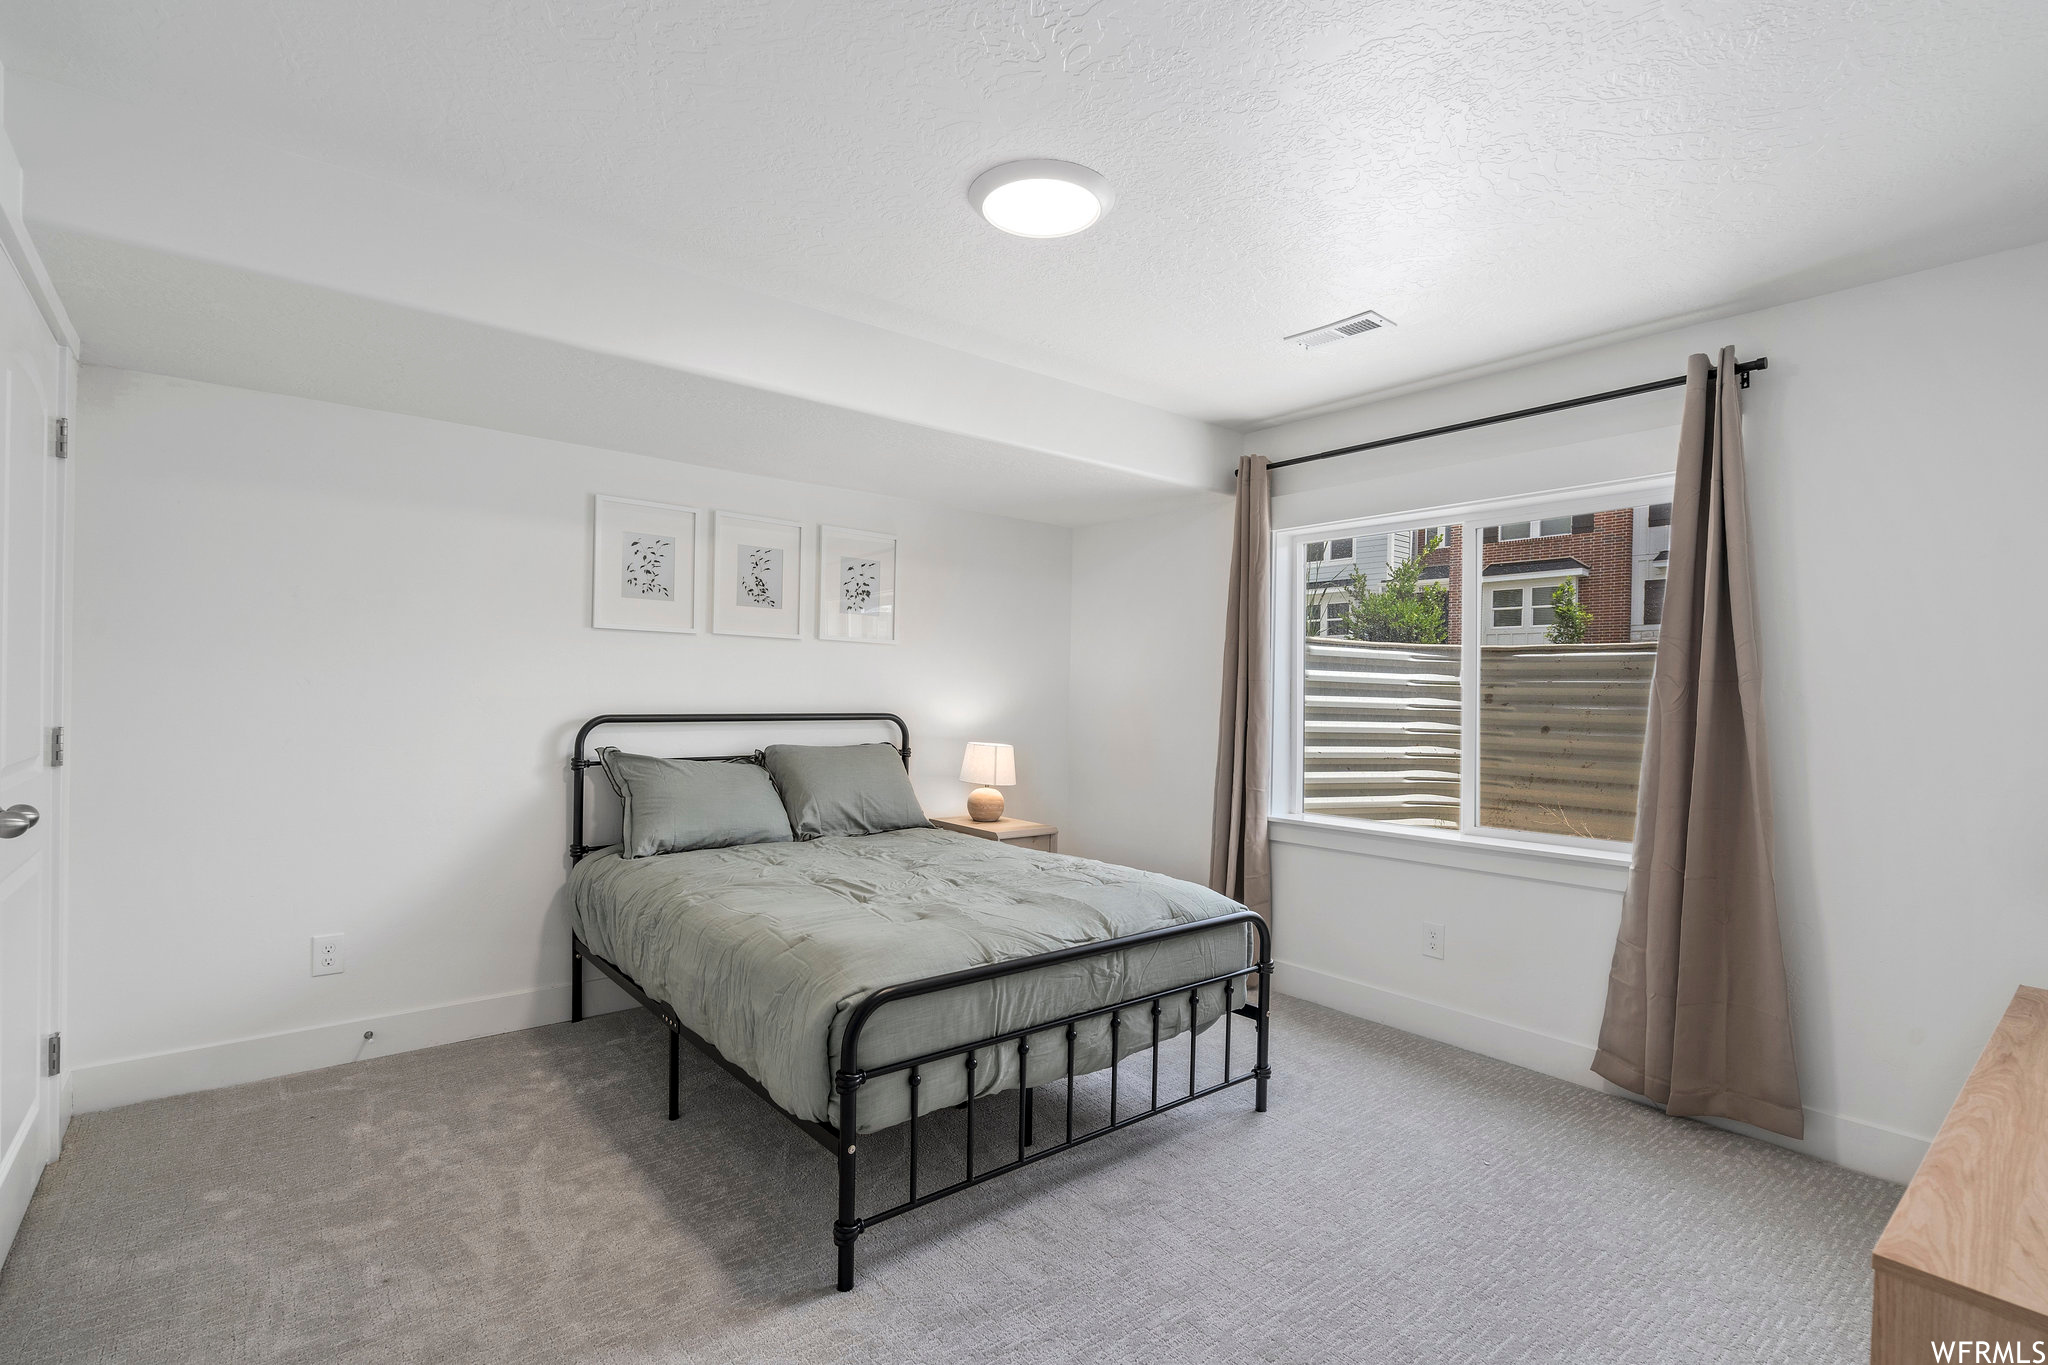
(1432, 940)
(326, 954)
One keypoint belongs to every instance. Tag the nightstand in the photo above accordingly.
(1023, 833)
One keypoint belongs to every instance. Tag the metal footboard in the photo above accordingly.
(852, 1077)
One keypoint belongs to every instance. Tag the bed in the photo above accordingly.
(862, 982)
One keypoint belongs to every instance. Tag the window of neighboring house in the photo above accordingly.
(1326, 615)
(1340, 549)
(1509, 605)
(1660, 514)
(1473, 700)
(1417, 541)
(1576, 524)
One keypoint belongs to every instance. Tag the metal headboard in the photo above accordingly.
(578, 762)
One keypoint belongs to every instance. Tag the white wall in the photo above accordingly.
(1147, 682)
(328, 665)
(1901, 692)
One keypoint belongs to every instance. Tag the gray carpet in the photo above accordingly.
(521, 1198)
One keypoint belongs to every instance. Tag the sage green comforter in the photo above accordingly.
(765, 949)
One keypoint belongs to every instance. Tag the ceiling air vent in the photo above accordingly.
(1356, 325)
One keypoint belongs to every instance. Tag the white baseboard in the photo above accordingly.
(108, 1085)
(1855, 1143)
(1858, 1144)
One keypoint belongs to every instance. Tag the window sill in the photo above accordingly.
(1598, 869)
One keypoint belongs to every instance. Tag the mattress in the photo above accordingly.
(764, 950)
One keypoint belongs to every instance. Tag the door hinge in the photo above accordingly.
(60, 441)
(56, 1054)
(56, 746)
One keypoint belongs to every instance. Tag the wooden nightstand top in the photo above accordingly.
(1005, 830)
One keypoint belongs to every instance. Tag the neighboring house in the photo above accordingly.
(1329, 569)
(1652, 560)
(1617, 560)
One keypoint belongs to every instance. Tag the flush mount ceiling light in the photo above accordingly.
(1040, 198)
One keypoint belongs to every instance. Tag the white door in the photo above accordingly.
(34, 380)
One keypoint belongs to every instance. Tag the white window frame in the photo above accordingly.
(1324, 606)
(1471, 844)
(1536, 587)
(1535, 583)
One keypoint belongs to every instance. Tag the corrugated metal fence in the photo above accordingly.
(1561, 734)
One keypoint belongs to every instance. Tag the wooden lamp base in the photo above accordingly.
(984, 804)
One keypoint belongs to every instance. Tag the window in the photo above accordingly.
(1511, 623)
(1578, 524)
(1340, 549)
(1660, 514)
(1327, 617)
(1495, 686)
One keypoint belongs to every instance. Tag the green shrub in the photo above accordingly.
(1572, 619)
(1405, 610)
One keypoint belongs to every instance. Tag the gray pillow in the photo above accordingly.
(843, 788)
(674, 805)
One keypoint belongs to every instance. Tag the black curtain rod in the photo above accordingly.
(1760, 363)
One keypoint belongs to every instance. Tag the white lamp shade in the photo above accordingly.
(990, 765)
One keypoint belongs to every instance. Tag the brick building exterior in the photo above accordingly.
(1446, 561)
(1599, 552)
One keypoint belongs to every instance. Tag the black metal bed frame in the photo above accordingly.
(843, 1141)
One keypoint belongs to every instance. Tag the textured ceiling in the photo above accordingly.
(1498, 177)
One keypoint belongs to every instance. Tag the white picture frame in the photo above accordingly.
(757, 575)
(856, 586)
(643, 565)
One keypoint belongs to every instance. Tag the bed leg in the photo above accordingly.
(575, 981)
(1262, 1072)
(847, 1230)
(675, 1066)
(845, 1240)
(1030, 1118)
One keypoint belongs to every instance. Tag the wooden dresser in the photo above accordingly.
(1965, 1256)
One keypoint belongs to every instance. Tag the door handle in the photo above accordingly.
(16, 821)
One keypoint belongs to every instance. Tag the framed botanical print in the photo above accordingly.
(856, 586)
(756, 576)
(643, 573)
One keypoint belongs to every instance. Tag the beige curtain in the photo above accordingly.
(1697, 1016)
(1237, 849)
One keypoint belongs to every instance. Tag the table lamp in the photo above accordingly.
(988, 766)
